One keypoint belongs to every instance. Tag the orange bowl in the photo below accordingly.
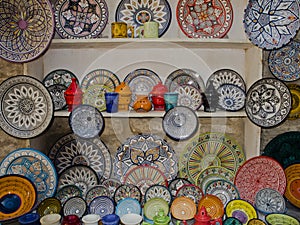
(213, 205)
(18, 196)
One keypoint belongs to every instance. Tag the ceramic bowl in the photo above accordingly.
(183, 208)
(48, 206)
(30, 219)
(153, 205)
(213, 205)
(277, 219)
(53, 219)
(18, 196)
(131, 219)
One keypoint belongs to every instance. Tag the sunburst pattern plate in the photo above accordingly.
(210, 149)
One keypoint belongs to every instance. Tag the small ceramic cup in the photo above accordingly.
(91, 219)
(131, 219)
(112, 102)
(110, 219)
(171, 99)
(151, 29)
(120, 30)
(51, 219)
(30, 219)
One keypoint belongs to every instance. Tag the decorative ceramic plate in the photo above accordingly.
(80, 19)
(231, 97)
(48, 206)
(86, 121)
(26, 29)
(191, 191)
(213, 205)
(127, 191)
(59, 76)
(276, 219)
(240, 209)
(256, 221)
(268, 200)
(180, 123)
(183, 208)
(135, 13)
(153, 205)
(100, 76)
(34, 165)
(204, 19)
(183, 77)
(231, 221)
(128, 205)
(295, 110)
(177, 183)
(18, 196)
(223, 189)
(82, 176)
(158, 191)
(189, 96)
(145, 149)
(213, 173)
(95, 191)
(111, 184)
(292, 171)
(94, 95)
(68, 191)
(102, 206)
(210, 149)
(284, 62)
(292, 192)
(274, 26)
(268, 102)
(145, 176)
(71, 150)
(264, 172)
(141, 81)
(26, 107)
(284, 148)
(57, 92)
(75, 206)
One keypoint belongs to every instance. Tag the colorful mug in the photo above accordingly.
(151, 29)
(120, 30)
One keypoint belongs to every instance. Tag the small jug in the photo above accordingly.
(71, 220)
(161, 218)
(202, 218)
(142, 104)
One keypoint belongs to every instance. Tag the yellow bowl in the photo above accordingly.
(17, 196)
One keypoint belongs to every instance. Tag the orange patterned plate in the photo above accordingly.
(214, 206)
(183, 208)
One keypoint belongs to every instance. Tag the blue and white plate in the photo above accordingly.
(75, 206)
(231, 97)
(101, 205)
(128, 205)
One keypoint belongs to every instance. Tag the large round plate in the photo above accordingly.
(82, 176)
(213, 205)
(86, 121)
(204, 19)
(284, 148)
(210, 149)
(284, 62)
(146, 149)
(18, 196)
(182, 77)
(292, 192)
(26, 29)
(223, 189)
(268, 102)
(100, 76)
(34, 165)
(135, 13)
(278, 218)
(71, 150)
(180, 123)
(80, 19)
(102, 206)
(189, 96)
(141, 81)
(226, 76)
(240, 209)
(295, 92)
(158, 191)
(128, 205)
(257, 173)
(271, 25)
(26, 107)
(231, 97)
(127, 191)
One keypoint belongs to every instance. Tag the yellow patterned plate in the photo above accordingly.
(17, 196)
(295, 92)
(278, 219)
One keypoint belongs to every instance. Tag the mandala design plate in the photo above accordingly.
(66, 192)
(183, 77)
(268, 102)
(145, 149)
(158, 191)
(276, 218)
(284, 62)
(71, 150)
(192, 191)
(270, 24)
(82, 176)
(86, 121)
(284, 148)
(27, 28)
(75, 206)
(95, 191)
(257, 173)
(80, 19)
(213, 205)
(209, 149)
(102, 206)
(135, 13)
(141, 81)
(102, 77)
(128, 205)
(177, 183)
(34, 165)
(26, 107)
(204, 19)
(240, 209)
(127, 191)
(231, 97)
(189, 96)
(180, 123)
(269, 201)
(295, 110)
(223, 189)
(18, 196)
